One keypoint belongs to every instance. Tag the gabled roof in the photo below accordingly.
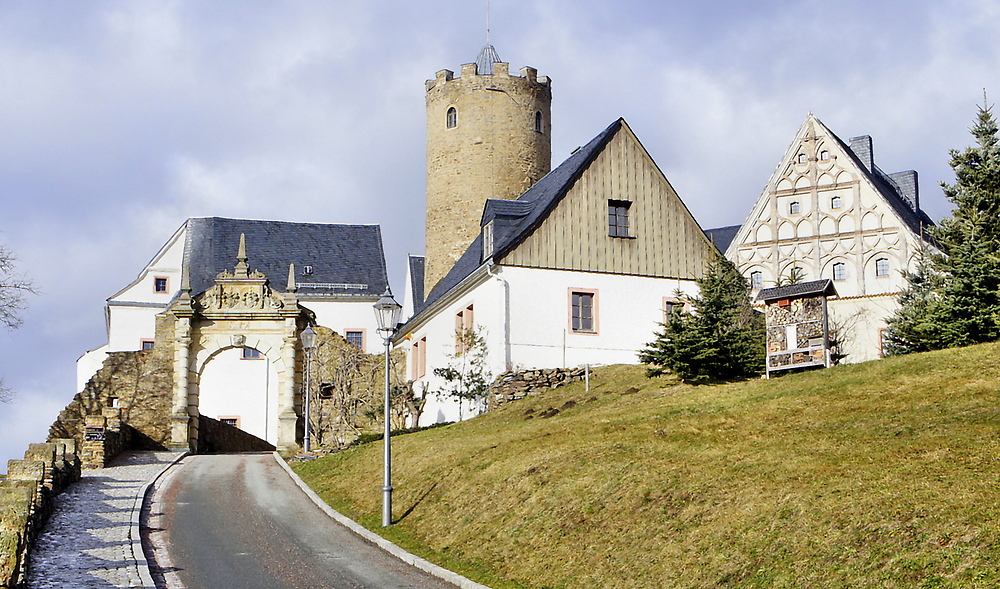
(532, 208)
(795, 291)
(346, 260)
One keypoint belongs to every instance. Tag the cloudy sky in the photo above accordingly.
(119, 120)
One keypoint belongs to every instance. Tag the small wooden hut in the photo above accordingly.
(798, 326)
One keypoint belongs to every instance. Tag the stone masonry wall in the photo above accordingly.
(493, 151)
(135, 387)
(511, 386)
(26, 498)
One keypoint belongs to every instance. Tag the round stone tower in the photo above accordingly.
(488, 136)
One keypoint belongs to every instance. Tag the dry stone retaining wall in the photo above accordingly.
(511, 386)
(26, 497)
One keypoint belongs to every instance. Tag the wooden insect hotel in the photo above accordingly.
(798, 326)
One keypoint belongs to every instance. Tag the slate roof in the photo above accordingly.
(347, 260)
(417, 264)
(914, 219)
(531, 209)
(794, 291)
(722, 236)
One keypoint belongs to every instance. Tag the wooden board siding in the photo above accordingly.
(667, 240)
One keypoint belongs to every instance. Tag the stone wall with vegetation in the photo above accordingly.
(133, 387)
(511, 386)
(26, 498)
(348, 391)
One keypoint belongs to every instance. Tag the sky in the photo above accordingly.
(119, 120)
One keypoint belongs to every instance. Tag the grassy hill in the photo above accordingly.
(882, 474)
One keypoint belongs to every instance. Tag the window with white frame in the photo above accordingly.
(840, 271)
(836, 202)
(882, 267)
(355, 337)
(488, 240)
(794, 207)
(824, 155)
(582, 312)
(756, 279)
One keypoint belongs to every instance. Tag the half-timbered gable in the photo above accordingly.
(829, 212)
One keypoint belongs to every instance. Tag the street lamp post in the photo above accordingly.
(308, 344)
(387, 313)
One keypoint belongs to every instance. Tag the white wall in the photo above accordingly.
(538, 332)
(341, 316)
(248, 389)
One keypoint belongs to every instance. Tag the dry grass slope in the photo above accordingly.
(882, 474)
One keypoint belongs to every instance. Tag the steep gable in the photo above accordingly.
(569, 230)
(828, 203)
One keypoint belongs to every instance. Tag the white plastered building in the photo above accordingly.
(578, 270)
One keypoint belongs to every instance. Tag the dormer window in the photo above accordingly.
(538, 121)
(618, 218)
(307, 270)
(488, 241)
(794, 207)
(451, 119)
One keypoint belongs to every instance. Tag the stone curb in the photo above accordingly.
(411, 559)
(137, 554)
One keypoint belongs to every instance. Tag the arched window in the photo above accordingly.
(538, 121)
(794, 208)
(882, 267)
(840, 271)
(756, 279)
(836, 202)
(451, 120)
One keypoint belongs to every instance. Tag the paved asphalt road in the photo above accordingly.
(221, 521)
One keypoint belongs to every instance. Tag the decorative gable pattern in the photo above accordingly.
(829, 212)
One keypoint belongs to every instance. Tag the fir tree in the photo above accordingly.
(722, 339)
(955, 300)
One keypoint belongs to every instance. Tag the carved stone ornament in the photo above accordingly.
(238, 297)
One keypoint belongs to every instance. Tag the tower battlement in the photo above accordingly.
(488, 136)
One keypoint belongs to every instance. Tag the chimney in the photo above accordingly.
(862, 147)
(909, 190)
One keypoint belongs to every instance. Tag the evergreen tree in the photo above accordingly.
(722, 339)
(955, 299)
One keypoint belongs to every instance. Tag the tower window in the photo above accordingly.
(794, 208)
(618, 218)
(451, 119)
(840, 271)
(538, 121)
(882, 267)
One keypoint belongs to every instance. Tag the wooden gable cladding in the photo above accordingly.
(665, 240)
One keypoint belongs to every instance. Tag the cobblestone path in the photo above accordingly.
(88, 541)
